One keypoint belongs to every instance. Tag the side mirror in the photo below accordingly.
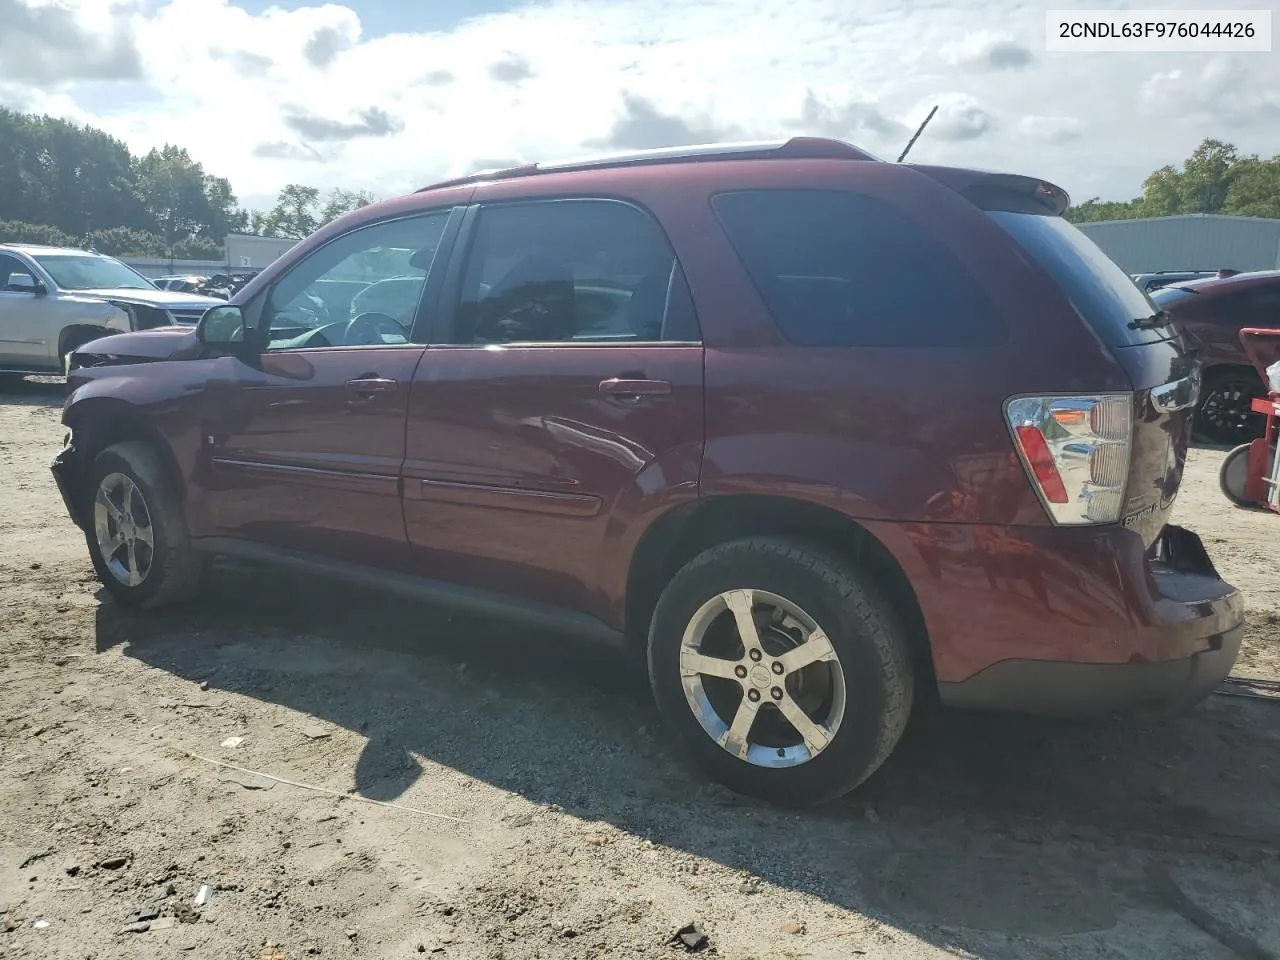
(222, 327)
(25, 283)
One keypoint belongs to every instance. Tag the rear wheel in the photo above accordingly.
(136, 534)
(1225, 413)
(781, 670)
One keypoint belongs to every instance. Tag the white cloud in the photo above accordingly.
(1224, 91)
(306, 95)
(984, 50)
(1050, 129)
(960, 117)
(45, 43)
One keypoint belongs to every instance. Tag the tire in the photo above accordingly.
(864, 694)
(1223, 415)
(169, 570)
(1233, 474)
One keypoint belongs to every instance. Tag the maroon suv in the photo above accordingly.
(819, 434)
(1210, 314)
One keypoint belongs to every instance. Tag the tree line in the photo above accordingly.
(67, 185)
(1214, 179)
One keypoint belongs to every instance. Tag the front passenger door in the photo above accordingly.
(306, 440)
(21, 346)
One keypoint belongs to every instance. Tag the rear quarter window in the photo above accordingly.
(842, 269)
(1101, 292)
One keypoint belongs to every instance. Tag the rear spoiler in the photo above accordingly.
(1006, 192)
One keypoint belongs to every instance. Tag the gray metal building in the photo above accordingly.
(245, 251)
(1195, 241)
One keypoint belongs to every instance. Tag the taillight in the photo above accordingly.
(1076, 451)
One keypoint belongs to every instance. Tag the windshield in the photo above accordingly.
(1104, 294)
(88, 272)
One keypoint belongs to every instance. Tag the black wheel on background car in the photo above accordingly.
(781, 669)
(136, 532)
(1225, 413)
(1234, 473)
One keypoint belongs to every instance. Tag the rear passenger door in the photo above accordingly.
(560, 399)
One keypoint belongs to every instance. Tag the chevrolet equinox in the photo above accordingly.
(819, 435)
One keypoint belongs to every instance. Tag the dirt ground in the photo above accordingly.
(530, 806)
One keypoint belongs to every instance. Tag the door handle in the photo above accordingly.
(368, 386)
(633, 391)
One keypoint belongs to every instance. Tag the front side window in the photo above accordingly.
(361, 290)
(842, 269)
(571, 271)
(87, 272)
(11, 267)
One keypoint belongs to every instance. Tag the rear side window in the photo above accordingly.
(1101, 292)
(840, 269)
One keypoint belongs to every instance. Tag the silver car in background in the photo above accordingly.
(53, 300)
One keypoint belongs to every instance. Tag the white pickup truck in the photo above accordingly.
(53, 300)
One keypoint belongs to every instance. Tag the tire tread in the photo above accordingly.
(183, 566)
(883, 628)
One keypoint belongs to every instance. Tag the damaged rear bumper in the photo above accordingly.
(1186, 648)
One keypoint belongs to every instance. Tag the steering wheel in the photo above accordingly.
(368, 329)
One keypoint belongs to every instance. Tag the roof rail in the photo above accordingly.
(811, 148)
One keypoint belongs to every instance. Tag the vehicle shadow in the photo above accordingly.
(986, 823)
(32, 391)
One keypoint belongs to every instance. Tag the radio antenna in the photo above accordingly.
(912, 142)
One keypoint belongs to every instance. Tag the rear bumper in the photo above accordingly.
(1081, 689)
(1072, 622)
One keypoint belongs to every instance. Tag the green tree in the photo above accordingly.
(1097, 209)
(126, 242)
(341, 202)
(198, 248)
(1255, 188)
(183, 200)
(1214, 179)
(257, 222)
(1206, 177)
(14, 231)
(75, 178)
(295, 215)
(1161, 194)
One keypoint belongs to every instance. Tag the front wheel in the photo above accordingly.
(780, 668)
(136, 534)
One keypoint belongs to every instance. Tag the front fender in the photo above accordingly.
(155, 402)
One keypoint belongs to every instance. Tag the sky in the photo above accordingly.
(390, 95)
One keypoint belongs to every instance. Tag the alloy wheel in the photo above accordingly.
(122, 526)
(762, 678)
(1226, 412)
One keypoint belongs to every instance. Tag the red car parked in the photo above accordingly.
(1211, 313)
(819, 434)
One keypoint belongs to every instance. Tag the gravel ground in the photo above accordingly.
(480, 792)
